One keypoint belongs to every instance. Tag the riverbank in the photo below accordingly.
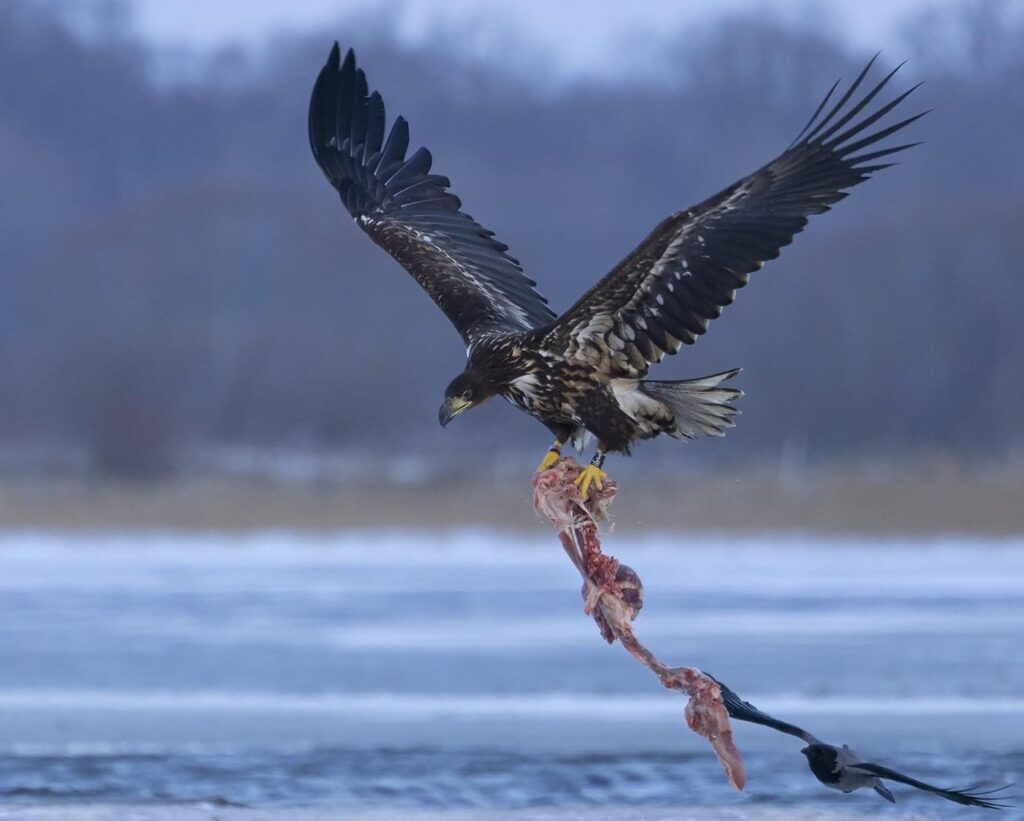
(915, 499)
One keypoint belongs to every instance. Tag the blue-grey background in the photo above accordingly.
(178, 277)
(243, 573)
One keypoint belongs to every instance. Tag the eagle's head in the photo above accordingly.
(469, 389)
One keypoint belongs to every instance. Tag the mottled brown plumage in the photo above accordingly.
(583, 371)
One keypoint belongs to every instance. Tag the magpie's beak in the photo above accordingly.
(451, 408)
(806, 750)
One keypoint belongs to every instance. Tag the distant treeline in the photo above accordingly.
(175, 272)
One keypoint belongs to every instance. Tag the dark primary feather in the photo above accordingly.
(410, 213)
(967, 797)
(742, 710)
(682, 275)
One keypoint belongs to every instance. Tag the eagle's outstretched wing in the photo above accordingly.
(682, 275)
(410, 213)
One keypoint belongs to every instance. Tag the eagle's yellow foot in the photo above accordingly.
(550, 460)
(590, 475)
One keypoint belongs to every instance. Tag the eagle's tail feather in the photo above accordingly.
(701, 406)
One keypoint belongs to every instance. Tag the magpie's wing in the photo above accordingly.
(745, 711)
(969, 797)
(680, 277)
(410, 213)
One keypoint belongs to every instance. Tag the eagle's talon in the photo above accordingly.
(590, 475)
(550, 460)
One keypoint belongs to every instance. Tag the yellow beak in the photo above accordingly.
(450, 409)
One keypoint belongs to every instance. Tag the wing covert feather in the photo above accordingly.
(410, 213)
(668, 289)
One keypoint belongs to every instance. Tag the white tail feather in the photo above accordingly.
(700, 406)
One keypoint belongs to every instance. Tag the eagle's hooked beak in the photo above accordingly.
(451, 408)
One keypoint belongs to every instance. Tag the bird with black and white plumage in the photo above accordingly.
(583, 372)
(840, 768)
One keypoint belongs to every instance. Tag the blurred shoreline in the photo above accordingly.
(913, 499)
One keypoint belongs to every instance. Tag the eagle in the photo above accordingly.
(582, 373)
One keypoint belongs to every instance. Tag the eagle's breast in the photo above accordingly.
(540, 386)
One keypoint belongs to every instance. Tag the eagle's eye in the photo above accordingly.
(467, 394)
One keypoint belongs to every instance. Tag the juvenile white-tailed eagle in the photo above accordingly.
(583, 372)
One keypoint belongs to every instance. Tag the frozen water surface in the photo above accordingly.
(453, 675)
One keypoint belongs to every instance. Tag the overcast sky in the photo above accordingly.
(575, 37)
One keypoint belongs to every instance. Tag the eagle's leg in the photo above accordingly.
(592, 474)
(551, 457)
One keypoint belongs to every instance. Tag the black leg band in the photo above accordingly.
(598, 459)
